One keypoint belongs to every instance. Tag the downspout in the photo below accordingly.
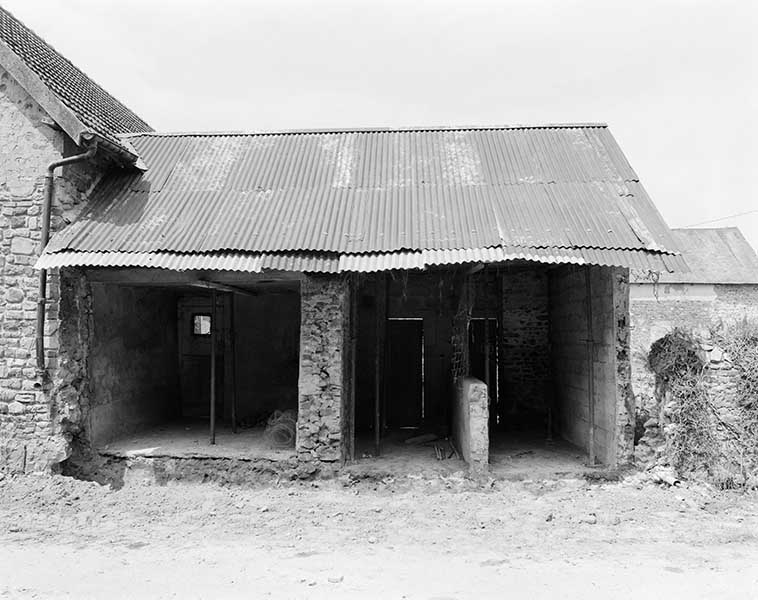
(45, 237)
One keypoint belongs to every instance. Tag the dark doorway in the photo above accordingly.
(195, 323)
(404, 394)
(483, 360)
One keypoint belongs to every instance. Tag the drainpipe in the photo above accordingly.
(46, 209)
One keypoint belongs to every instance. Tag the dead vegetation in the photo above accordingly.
(700, 441)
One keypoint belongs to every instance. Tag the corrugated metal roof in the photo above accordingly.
(360, 263)
(714, 255)
(378, 191)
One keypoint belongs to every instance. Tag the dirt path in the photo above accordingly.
(424, 538)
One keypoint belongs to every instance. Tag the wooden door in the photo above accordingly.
(195, 355)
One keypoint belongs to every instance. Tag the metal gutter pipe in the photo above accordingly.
(45, 237)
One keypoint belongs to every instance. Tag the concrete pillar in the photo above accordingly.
(471, 423)
(324, 424)
(625, 409)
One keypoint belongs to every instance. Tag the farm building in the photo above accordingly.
(373, 284)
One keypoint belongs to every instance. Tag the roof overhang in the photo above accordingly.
(253, 262)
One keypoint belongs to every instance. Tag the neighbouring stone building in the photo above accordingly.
(720, 288)
(354, 277)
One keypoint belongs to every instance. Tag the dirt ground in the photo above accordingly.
(412, 537)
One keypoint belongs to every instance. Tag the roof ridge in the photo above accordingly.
(388, 129)
(706, 228)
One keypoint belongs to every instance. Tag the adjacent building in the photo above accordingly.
(720, 288)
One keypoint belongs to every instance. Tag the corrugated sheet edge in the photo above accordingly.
(361, 263)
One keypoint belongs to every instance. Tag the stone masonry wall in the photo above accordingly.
(323, 402)
(721, 382)
(655, 313)
(526, 339)
(38, 412)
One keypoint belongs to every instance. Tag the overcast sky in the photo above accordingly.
(675, 80)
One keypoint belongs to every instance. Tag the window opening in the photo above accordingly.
(201, 325)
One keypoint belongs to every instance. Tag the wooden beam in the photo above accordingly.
(354, 291)
(590, 368)
(166, 277)
(222, 287)
(381, 328)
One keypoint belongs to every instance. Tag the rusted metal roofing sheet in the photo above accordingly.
(362, 192)
(360, 263)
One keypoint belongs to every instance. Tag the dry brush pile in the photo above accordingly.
(700, 441)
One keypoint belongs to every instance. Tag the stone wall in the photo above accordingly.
(721, 381)
(133, 363)
(324, 429)
(613, 401)
(37, 411)
(526, 339)
(657, 310)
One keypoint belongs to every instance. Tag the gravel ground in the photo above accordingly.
(411, 537)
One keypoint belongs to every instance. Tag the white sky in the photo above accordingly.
(675, 80)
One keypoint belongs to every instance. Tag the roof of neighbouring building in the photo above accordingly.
(377, 199)
(714, 255)
(93, 106)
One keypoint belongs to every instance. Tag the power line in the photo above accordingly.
(749, 212)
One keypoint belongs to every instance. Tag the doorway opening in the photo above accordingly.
(404, 392)
(484, 361)
(174, 375)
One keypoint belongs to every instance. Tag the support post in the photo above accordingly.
(590, 369)
(500, 400)
(381, 330)
(214, 328)
(487, 354)
(354, 284)
(231, 359)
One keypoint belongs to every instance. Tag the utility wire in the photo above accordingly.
(749, 212)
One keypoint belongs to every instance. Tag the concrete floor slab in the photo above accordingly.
(190, 439)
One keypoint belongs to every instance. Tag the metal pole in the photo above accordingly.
(213, 368)
(590, 368)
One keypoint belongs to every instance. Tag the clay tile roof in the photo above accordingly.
(95, 107)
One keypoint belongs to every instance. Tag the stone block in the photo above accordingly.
(16, 408)
(14, 295)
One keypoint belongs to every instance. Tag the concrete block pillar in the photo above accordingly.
(324, 397)
(471, 423)
(625, 408)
